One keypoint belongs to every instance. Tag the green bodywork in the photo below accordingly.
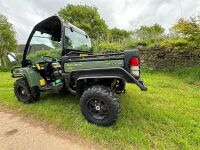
(31, 75)
(75, 66)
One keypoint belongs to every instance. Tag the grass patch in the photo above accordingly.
(191, 74)
(164, 117)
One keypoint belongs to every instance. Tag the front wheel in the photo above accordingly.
(22, 92)
(100, 105)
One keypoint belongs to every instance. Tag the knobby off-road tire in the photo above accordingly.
(100, 106)
(22, 93)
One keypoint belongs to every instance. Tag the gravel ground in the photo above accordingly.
(19, 133)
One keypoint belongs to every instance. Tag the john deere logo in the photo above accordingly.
(74, 65)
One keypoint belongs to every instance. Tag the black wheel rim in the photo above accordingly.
(22, 93)
(97, 108)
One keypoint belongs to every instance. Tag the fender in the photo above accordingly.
(32, 77)
(106, 73)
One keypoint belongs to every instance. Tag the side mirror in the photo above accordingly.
(12, 57)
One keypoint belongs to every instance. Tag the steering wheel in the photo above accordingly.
(47, 58)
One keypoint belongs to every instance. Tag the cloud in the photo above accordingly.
(125, 14)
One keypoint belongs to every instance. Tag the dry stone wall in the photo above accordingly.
(164, 59)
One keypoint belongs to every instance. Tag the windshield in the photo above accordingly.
(77, 41)
(43, 44)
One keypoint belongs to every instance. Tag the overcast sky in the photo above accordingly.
(124, 14)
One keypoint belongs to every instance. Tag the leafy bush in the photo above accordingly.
(129, 44)
(178, 43)
(107, 47)
(113, 47)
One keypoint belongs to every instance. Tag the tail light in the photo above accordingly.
(135, 66)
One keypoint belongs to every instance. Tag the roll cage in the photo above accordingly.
(58, 25)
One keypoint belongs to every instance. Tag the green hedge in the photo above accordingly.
(5, 68)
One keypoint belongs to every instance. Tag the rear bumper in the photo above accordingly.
(138, 81)
(141, 84)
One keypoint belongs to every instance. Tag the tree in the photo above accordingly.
(119, 34)
(155, 31)
(86, 18)
(188, 30)
(7, 38)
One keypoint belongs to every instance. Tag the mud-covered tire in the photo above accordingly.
(22, 92)
(100, 99)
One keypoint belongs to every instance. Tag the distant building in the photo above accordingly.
(34, 47)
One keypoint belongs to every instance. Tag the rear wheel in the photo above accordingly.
(22, 92)
(100, 106)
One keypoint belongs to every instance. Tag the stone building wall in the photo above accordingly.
(164, 59)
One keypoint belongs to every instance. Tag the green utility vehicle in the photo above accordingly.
(58, 58)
